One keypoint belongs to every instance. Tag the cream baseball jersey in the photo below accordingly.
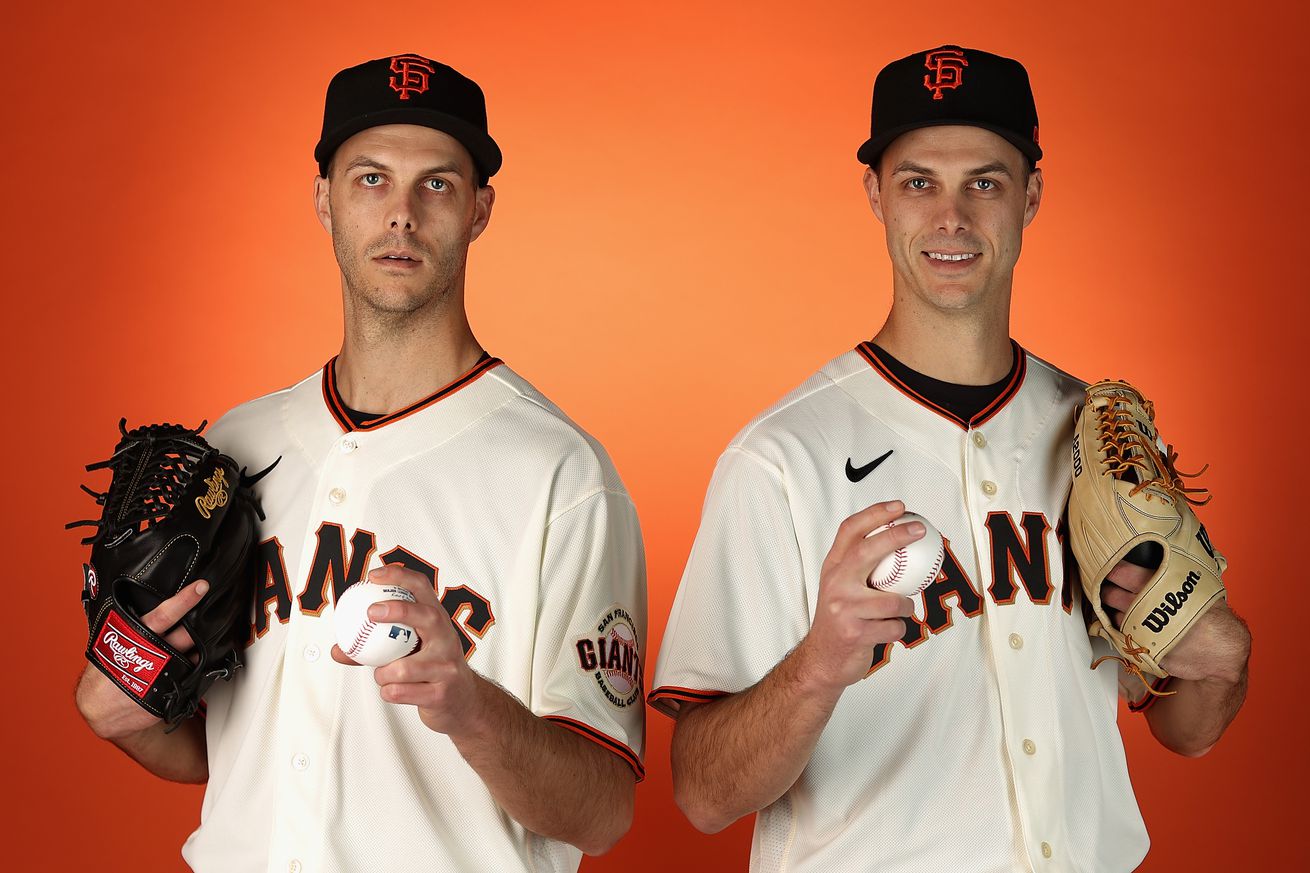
(522, 524)
(982, 741)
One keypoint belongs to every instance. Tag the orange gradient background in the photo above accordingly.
(679, 237)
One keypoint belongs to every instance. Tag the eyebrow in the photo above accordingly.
(994, 168)
(374, 163)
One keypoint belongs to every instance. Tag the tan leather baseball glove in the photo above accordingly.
(1129, 497)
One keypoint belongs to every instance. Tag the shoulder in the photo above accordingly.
(537, 434)
(1045, 378)
(791, 420)
(251, 422)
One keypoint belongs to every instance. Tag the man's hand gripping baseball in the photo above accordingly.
(740, 753)
(435, 678)
(550, 780)
(850, 617)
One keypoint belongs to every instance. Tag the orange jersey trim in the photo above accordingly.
(1007, 393)
(605, 741)
(337, 407)
(691, 695)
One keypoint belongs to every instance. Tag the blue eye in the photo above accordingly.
(438, 184)
(918, 184)
(985, 185)
(371, 179)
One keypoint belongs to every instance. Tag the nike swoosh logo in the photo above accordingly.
(855, 474)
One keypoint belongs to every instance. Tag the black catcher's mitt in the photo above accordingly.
(176, 510)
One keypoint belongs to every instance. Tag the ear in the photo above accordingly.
(483, 199)
(872, 191)
(322, 206)
(1034, 197)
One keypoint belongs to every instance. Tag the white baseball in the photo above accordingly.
(912, 568)
(366, 641)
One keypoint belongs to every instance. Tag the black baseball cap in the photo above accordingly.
(953, 85)
(407, 89)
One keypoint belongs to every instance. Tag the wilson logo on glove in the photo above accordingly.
(1173, 601)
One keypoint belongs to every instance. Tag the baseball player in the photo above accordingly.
(962, 730)
(513, 737)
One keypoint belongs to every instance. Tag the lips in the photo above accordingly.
(399, 257)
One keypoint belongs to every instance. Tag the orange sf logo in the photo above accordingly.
(947, 70)
(216, 496)
(411, 75)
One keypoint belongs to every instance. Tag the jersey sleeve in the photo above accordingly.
(741, 606)
(591, 638)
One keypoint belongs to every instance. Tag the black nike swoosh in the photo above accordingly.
(855, 474)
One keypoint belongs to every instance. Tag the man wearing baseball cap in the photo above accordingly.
(511, 738)
(961, 730)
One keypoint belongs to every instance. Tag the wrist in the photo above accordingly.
(811, 674)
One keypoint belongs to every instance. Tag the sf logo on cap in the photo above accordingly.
(411, 75)
(947, 70)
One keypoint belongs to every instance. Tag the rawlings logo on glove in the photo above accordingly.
(175, 511)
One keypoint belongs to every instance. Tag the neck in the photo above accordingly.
(961, 348)
(389, 363)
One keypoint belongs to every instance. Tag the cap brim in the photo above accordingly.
(482, 148)
(875, 146)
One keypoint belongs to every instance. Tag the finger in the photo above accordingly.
(421, 694)
(419, 670)
(869, 553)
(1116, 598)
(170, 612)
(854, 529)
(411, 580)
(1130, 576)
(342, 658)
(885, 630)
(874, 604)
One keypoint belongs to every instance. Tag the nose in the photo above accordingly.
(953, 214)
(402, 211)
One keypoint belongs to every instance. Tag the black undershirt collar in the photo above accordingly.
(962, 401)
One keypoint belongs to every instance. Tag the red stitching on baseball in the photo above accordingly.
(361, 638)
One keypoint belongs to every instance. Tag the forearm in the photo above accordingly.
(736, 755)
(549, 779)
(1191, 721)
(178, 756)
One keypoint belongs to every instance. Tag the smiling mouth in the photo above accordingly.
(951, 258)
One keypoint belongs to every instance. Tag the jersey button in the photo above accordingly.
(979, 440)
(312, 652)
(1046, 850)
(338, 496)
(348, 445)
(1016, 642)
(295, 867)
(1030, 748)
(988, 487)
(300, 761)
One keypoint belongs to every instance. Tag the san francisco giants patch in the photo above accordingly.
(610, 655)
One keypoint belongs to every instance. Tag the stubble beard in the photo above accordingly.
(381, 309)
